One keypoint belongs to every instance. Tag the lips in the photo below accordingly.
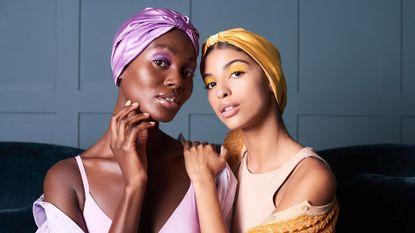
(168, 100)
(229, 109)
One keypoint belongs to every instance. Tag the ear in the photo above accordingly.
(121, 77)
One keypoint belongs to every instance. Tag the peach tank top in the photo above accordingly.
(254, 203)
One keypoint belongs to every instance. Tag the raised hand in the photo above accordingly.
(202, 161)
(202, 165)
(128, 140)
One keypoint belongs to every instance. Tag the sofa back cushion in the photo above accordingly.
(23, 167)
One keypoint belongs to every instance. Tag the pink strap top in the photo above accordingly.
(254, 202)
(184, 218)
(95, 219)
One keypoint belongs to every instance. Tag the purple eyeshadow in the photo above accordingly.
(161, 56)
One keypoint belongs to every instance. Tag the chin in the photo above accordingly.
(235, 123)
(163, 117)
(231, 125)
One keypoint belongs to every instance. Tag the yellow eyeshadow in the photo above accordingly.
(208, 79)
(236, 68)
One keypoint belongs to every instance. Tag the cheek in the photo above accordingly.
(212, 99)
(146, 77)
(188, 88)
(254, 93)
(138, 87)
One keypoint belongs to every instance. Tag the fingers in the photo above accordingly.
(126, 110)
(122, 116)
(201, 159)
(139, 129)
(117, 120)
(195, 143)
(129, 125)
(186, 144)
(133, 120)
(223, 153)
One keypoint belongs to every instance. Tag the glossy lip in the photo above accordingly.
(170, 100)
(229, 109)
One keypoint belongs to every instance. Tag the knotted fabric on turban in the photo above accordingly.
(139, 31)
(262, 51)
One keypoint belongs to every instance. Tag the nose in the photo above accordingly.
(222, 90)
(174, 80)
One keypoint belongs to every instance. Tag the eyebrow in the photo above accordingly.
(166, 46)
(226, 66)
(233, 61)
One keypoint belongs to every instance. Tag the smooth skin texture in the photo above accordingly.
(241, 97)
(135, 181)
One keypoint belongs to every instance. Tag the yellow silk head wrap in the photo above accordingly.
(262, 51)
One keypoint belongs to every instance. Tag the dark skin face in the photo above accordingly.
(160, 79)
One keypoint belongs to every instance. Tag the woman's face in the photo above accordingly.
(237, 88)
(160, 79)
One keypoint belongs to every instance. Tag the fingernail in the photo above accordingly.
(135, 103)
(146, 114)
(180, 137)
(128, 103)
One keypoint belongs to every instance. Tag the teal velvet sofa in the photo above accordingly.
(23, 167)
(376, 185)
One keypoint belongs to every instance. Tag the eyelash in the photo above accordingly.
(237, 74)
(189, 73)
(164, 63)
(161, 63)
(209, 85)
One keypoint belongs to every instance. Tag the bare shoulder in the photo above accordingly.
(62, 185)
(312, 180)
(60, 177)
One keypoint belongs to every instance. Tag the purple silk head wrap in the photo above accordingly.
(139, 31)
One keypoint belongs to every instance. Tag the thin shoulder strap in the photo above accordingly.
(289, 167)
(83, 173)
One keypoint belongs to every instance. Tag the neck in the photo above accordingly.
(268, 143)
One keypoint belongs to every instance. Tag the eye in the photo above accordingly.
(189, 73)
(162, 63)
(210, 85)
(237, 74)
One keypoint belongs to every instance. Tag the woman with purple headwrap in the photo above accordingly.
(133, 179)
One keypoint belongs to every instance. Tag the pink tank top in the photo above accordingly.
(184, 218)
(254, 202)
(95, 219)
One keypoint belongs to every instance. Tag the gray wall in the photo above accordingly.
(350, 67)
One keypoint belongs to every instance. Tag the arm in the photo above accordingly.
(129, 134)
(202, 164)
(313, 181)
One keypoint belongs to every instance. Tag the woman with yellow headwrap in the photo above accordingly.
(283, 185)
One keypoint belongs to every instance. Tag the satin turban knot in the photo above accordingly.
(139, 31)
(262, 51)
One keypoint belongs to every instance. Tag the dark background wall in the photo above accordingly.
(350, 67)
